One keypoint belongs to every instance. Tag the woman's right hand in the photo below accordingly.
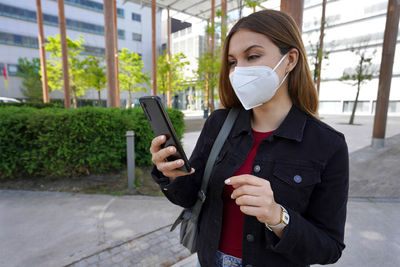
(159, 158)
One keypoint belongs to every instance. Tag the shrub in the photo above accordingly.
(61, 142)
(38, 105)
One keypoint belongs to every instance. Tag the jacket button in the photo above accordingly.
(297, 179)
(250, 238)
(257, 168)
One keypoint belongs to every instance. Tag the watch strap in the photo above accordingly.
(284, 220)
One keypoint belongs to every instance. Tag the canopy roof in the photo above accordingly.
(199, 9)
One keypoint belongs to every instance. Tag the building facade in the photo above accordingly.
(189, 39)
(350, 25)
(19, 31)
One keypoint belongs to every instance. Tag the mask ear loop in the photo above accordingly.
(280, 61)
(277, 65)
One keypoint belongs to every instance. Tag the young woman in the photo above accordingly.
(278, 191)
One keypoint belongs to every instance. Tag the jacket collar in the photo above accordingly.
(292, 126)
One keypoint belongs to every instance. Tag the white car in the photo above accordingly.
(9, 100)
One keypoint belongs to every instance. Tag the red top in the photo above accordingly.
(232, 222)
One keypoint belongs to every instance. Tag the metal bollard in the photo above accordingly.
(130, 157)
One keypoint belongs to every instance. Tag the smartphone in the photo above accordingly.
(161, 125)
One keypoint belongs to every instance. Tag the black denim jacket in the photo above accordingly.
(306, 162)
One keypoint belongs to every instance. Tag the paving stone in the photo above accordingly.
(160, 248)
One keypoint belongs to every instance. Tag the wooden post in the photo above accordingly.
(207, 104)
(109, 32)
(385, 74)
(212, 50)
(154, 50)
(42, 52)
(223, 25)
(116, 53)
(295, 9)
(320, 52)
(64, 52)
(168, 58)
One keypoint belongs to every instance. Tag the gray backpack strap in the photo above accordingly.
(219, 142)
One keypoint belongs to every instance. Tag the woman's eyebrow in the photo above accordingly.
(248, 48)
(253, 46)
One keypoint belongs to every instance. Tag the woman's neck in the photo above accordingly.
(270, 115)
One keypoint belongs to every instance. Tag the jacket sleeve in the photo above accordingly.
(183, 190)
(317, 236)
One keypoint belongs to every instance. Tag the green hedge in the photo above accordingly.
(33, 105)
(60, 142)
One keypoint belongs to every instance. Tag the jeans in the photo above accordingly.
(225, 260)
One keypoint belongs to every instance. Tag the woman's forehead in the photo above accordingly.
(243, 39)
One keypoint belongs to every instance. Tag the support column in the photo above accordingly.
(153, 43)
(42, 52)
(295, 9)
(212, 50)
(109, 32)
(223, 24)
(320, 49)
(116, 53)
(385, 74)
(168, 58)
(64, 52)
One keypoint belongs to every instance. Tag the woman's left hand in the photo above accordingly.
(255, 197)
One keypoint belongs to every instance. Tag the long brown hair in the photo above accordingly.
(282, 30)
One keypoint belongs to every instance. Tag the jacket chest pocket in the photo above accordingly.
(293, 184)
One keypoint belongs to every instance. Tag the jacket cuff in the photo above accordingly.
(167, 186)
(288, 241)
(159, 178)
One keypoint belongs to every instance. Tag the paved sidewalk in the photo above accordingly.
(66, 229)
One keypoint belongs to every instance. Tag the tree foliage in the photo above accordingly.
(207, 73)
(361, 73)
(131, 76)
(176, 67)
(31, 84)
(76, 66)
(95, 75)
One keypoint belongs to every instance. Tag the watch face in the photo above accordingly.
(285, 218)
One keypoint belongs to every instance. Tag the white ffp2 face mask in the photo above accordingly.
(255, 85)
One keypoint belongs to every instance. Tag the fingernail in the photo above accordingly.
(162, 137)
(227, 181)
(171, 149)
(232, 196)
(179, 162)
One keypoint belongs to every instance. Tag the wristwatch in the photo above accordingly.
(284, 221)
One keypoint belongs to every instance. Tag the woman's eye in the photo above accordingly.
(253, 57)
(231, 63)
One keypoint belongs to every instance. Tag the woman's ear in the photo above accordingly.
(293, 57)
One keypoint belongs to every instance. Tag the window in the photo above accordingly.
(32, 42)
(19, 40)
(28, 15)
(136, 37)
(136, 17)
(362, 106)
(94, 51)
(12, 69)
(394, 106)
(330, 107)
(93, 6)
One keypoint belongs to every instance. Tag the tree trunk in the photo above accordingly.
(130, 99)
(99, 104)
(320, 52)
(355, 103)
(74, 99)
(386, 71)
